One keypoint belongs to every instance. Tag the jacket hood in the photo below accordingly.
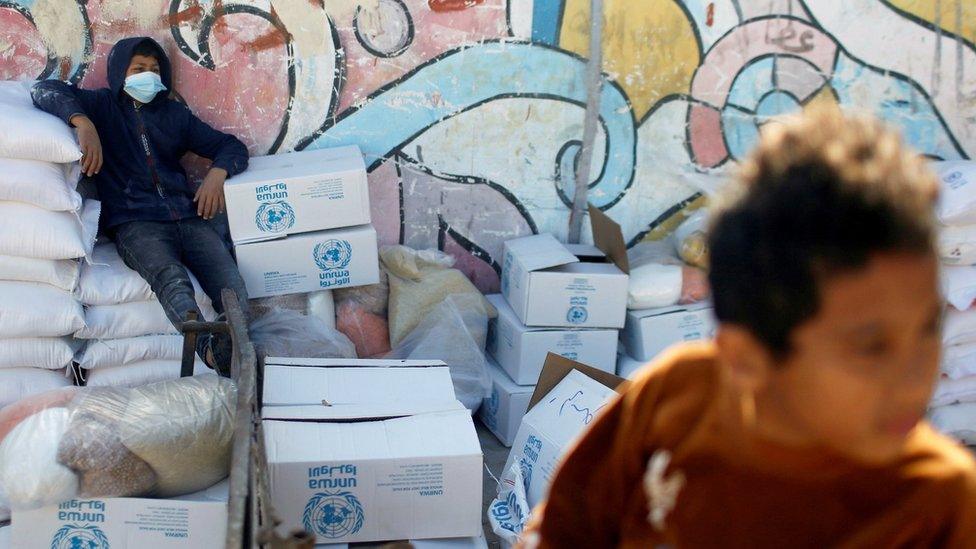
(121, 55)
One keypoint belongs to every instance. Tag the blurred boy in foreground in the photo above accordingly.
(801, 425)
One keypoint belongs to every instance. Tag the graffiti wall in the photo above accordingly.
(470, 112)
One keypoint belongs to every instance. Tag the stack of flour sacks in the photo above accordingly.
(953, 407)
(129, 341)
(44, 232)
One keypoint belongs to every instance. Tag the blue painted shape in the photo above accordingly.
(751, 84)
(472, 76)
(546, 19)
(775, 104)
(740, 131)
(897, 101)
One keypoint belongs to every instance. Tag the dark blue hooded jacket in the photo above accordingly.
(142, 179)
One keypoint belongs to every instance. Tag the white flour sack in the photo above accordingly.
(141, 373)
(29, 231)
(62, 273)
(959, 286)
(18, 383)
(29, 309)
(51, 353)
(957, 203)
(106, 280)
(957, 245)
(118, 352)
(42, 184)
(135, 319)
(30, 133)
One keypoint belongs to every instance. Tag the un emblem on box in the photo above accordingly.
(334, 515)
(275, 217)
(332, 254)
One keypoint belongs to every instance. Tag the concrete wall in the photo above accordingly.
(470, 111)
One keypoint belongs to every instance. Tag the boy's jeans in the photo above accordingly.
(162, 252)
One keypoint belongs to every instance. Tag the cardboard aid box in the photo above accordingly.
(650, 331)
(521, 350)
(309, 262)
(361, 454)
(567, 399)
(547, 285)
(122, 523)
(502, 411)
(298, 192)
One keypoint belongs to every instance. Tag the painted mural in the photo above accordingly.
(470, 112)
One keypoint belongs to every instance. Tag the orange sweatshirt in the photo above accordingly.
(669, 464)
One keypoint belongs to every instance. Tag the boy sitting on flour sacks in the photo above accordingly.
(159, 223)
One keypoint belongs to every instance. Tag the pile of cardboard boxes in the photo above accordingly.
(570, 300)
(301, 222)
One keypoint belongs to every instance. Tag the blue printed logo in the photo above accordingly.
(333, 514)
(275, 217)
(491, 408)
(332, 254)
(577, 315)
(72, 536)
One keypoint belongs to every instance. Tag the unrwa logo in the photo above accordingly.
(332, 254)
(72, 536)
(274, 217)
(333, 514)
(576, 315)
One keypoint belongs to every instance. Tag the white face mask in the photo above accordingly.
(143, 86)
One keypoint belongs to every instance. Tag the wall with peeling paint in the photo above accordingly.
(470, 111)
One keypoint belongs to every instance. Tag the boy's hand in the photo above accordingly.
(210, 195)
(91, 145)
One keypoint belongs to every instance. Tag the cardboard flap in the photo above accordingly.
(540, 251)
(558, 367)
(402, 389)
(281, 165)
(609, 238)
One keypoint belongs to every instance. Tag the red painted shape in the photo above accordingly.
(710, 14)
(707, 145)
(452, 5)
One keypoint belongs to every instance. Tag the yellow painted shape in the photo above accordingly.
(823, 96)
(925, 9)
(649, 46)
(668, 225)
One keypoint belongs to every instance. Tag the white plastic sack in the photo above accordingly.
(18, 383)
(509, 511)
(691, 239)
(957, 245)
(957, 421)
(106, 280)
(51, 353)
(286, 333)
(959, 361)
(42, 184)
(105, 353)
(141, 373)
(951, 391)
(959, 327)
(62, 273)
(453, 331)
(29, 231)
(30, 474)
(29, 309)
(163, 439)
(321, 305)
(959, 286)
(655, 276)
(135, 319)
(29, 132)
